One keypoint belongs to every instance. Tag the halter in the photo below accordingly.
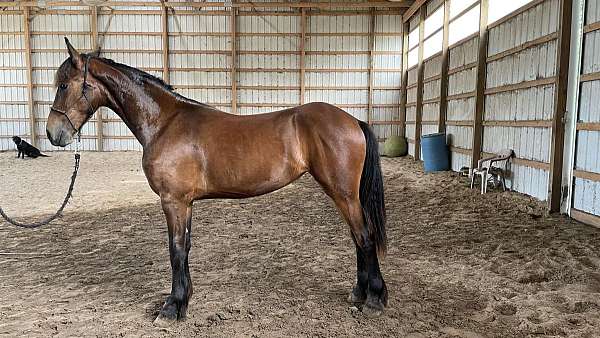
(83, 87)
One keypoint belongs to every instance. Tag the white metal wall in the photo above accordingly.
(387, 74)
(462, 69)
(13, 81)
(431, 95)
(133, 39)
(200, 59)
(269, 62)
(411, 109)
(48, 53)
(509, 109)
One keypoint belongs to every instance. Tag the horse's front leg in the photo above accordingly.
(179, 219)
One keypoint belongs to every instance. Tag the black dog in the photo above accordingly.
(25, 148)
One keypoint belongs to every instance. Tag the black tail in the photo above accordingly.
(371, 192)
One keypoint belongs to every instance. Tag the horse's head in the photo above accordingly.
(78, 96)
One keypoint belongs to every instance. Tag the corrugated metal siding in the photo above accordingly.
(536, 103)
(461, 110)
(411, 110)
(200, 62)
(586, 195)
(48, 53)
(277, 52)
(200, 58)
(433, 5)
(14, 111)
(431, 91)
(135, 40)
(387, 76)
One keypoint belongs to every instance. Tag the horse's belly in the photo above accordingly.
(248, 179)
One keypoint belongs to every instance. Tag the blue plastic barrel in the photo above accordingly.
(435, 152)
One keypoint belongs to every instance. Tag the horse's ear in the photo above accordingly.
(74, 54)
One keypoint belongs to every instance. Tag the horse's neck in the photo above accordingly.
(138, 106)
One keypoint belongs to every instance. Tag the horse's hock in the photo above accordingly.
(277, 264)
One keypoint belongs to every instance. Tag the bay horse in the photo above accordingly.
(192, 151)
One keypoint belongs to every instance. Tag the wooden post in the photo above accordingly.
(420, 74)
(480, 86)
(302, 54)
(96, 47)
(30, 103)
(233, 61)
(560, 105)
(404, 84)
(370, 67)
(444, 74)
(165, 43)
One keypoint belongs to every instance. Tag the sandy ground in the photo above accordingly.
(459, 264)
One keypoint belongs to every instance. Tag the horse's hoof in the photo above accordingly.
(163, 321)
(354, 299)
(372, 312)
(373, 308)
(357, 296)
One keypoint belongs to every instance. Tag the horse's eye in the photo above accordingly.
(63, 86)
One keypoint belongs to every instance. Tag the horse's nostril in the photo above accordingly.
(49, 136)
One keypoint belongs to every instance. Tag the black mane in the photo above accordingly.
(138, 75)
(141, 77)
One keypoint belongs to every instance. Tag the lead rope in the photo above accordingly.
(58, 213)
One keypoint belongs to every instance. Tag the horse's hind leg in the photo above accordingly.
(370, 288)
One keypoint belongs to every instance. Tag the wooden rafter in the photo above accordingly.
(113, 4)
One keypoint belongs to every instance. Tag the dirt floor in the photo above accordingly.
(459, 264)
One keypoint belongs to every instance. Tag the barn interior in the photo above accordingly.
(490, 75)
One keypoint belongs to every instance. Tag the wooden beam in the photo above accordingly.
(96, 47)
(113, 4)
(445, 64)
(521, 85)
(30, 102)
(302, 55)
(590, 77)
(233, 73)
(480, 85)
(587, 175)
(404, 84)
(591, 126)
(413, 9)
(165, 43)
(370, 67)
(586, 218)
(560, 105)
(420, 75)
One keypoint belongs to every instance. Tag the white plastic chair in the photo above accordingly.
(494, 172)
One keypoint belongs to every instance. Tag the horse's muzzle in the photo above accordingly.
(59, 137)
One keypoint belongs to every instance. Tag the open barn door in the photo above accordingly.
(581, 182)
